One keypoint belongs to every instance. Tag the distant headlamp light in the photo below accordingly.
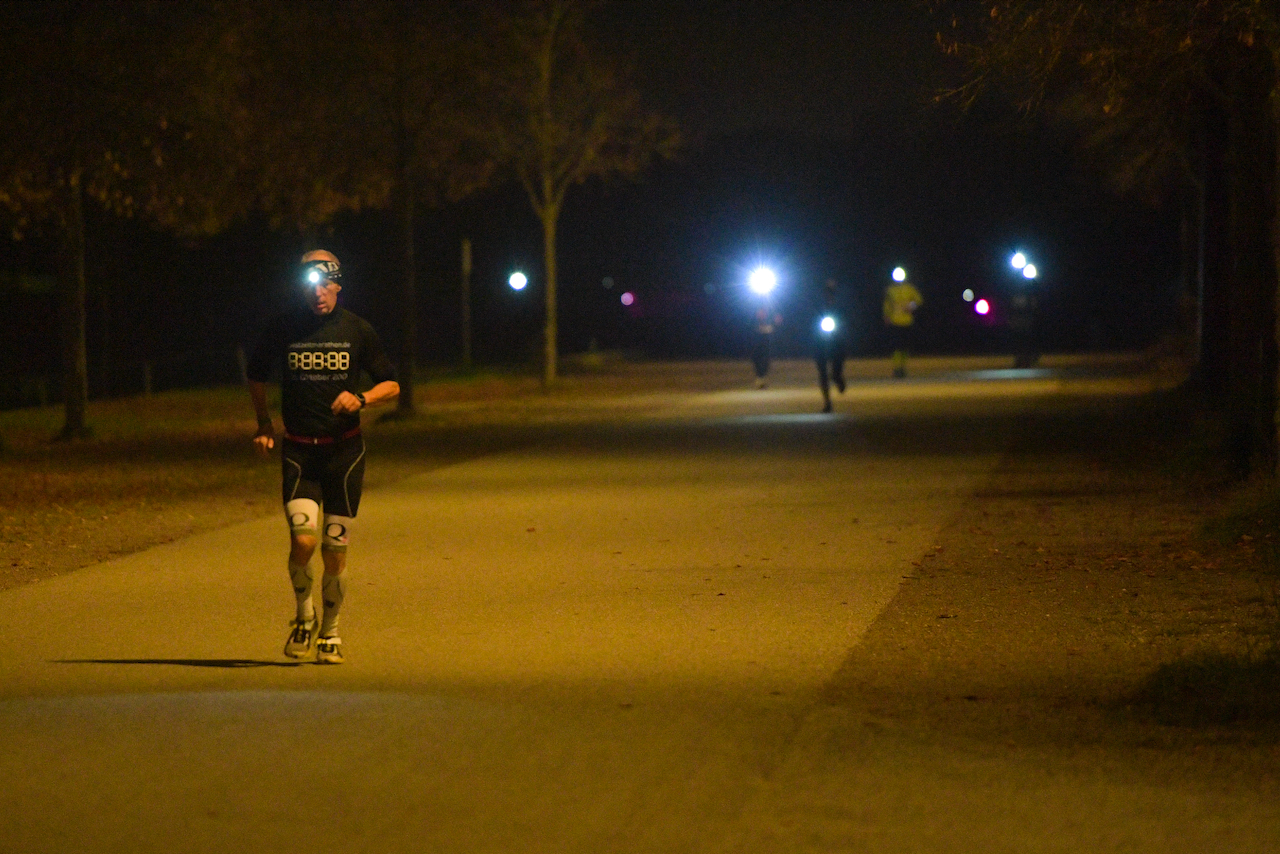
(828, 324)
(317, 272)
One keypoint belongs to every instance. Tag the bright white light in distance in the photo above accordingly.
(1030, 271)
(982, 307)
(968, 294)
(899, 274)
(828, 324)
(517, 281)
(762, 280)
(628, 298)
(1018, 261)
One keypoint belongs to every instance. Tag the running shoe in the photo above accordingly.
(329, 651)
(301, 635)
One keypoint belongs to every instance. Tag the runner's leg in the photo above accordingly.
(837, 367)
(343, 482)
(820, 359)
(302, 495)
(333, 551)
(304, 517)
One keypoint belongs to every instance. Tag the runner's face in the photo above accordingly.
(323, 297)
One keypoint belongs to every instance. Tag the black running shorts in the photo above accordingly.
(330, 475)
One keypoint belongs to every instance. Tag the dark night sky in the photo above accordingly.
(818, 67)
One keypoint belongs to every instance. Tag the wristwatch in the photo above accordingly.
(363, 402)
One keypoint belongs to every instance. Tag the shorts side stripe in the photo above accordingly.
(297, 481)
(346, 492)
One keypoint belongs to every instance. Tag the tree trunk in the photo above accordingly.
(1215, 366)
(408, 308)
(466, 303)
(1275, 302)
(550, 215)
(1252, 393)
(75, 376)
(104, 321)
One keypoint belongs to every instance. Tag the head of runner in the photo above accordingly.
(320, 274)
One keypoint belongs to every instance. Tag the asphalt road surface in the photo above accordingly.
(612, 635)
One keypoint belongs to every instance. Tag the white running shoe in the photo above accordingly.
(301, 635)
(329, 651)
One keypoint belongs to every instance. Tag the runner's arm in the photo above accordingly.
(381, 371)
(383, 392)
(265, 437)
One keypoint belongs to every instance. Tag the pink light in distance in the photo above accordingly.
(628, 298)
(982, 307)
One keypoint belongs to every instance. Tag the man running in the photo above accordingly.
(320, 351)
(901, 299)
(829, 343)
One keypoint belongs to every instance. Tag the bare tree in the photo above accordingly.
(563, 113)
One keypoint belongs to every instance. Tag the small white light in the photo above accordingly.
(982, 307)
(1018, 261)
(899, 274)
(762, 280)
(517, 281)
(968, 294)
(1029, 271)
(828, 324)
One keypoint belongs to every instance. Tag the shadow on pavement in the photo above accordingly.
(184, 662)
(1213, 689)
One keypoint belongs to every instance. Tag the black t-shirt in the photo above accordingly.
(318, 358)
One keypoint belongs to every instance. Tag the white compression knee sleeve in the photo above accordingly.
(304, 517)
(337, 532)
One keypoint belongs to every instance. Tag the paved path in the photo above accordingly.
(612, 639)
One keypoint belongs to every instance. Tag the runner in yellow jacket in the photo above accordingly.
(901, 299)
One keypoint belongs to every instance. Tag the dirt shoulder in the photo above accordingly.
(1078, 600)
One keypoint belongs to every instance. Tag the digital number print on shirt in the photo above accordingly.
(319, 360)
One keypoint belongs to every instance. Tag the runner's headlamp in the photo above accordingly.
(827, 324)
(318, 272)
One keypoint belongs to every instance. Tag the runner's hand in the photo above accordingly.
(264, 440)
(346, 403)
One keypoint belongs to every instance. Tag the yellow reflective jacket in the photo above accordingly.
(901, 299)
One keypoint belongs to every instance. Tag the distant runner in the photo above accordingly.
(830, 339)
(901, 299)
(319, 351)
(766, 321)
